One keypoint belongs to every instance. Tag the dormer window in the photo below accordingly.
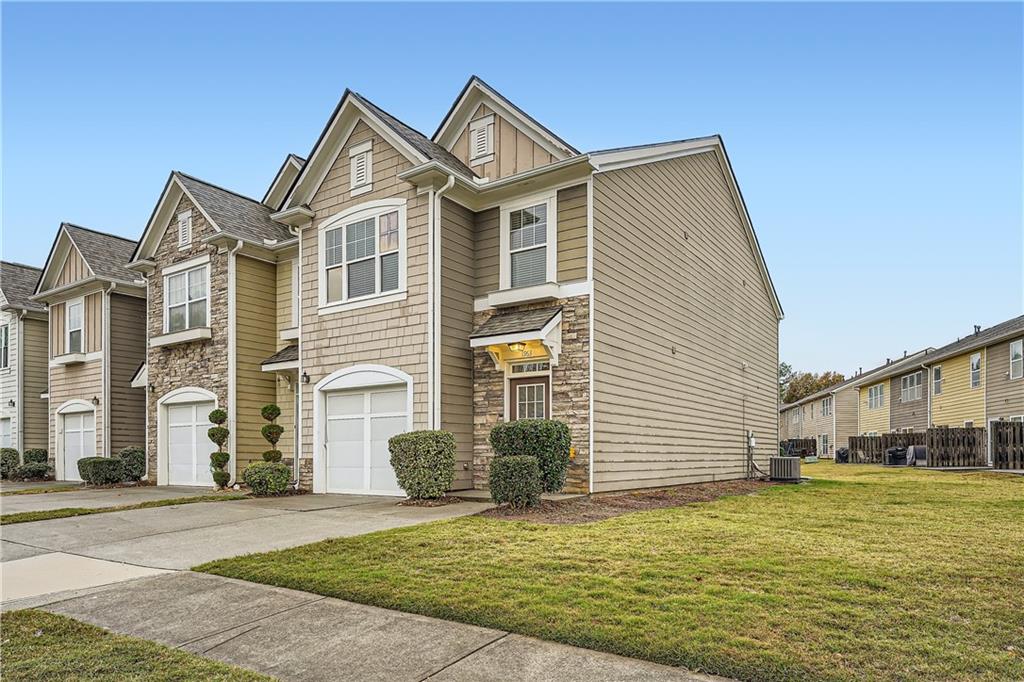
(481, 140)
(361, 168)
(184, 229)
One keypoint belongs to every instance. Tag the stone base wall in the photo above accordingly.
(570, 393)
(305, 473)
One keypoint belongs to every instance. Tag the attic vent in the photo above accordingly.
(184, 229)
(361, 160)
(481, 139)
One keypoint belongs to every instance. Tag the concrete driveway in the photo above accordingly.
(90, 498)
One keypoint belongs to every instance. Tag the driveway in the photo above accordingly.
(90, 498)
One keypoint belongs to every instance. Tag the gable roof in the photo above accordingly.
(871, 376)
(282, 181)
(106, 255)
(986, 337)
(18, 282)
(469, 98)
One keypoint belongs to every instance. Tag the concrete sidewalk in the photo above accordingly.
(95, 498)
(295, 635)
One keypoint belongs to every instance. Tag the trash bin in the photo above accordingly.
(843, 456)
(896, 456)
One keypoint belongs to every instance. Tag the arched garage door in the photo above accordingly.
(184, 445)
(78, 438)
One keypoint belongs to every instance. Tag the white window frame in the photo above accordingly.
(826, 406)
(971, 371)
(876, 397)
(179, 269)
(1019, 344)
(485, 124)
(5, 345)
(908, 392)
(364, 150)
(551, 243)
(80, 301)
(936, 383)
(184, 229)
(370, 209)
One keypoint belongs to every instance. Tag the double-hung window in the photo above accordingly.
(937, 380)
(976, 370)
(528, 238)
(826, 407)
(910, 387)
(186, 299)
(1017, 359)
(73, 318)
(876, 397)
(362, 254)
(5, 346)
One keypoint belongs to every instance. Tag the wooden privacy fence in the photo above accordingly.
(956, 447)
(1008, 445)
(799, 447)
(871, 449)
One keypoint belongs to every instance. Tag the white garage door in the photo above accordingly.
(188, 446)
(79, 441)
(359, 424)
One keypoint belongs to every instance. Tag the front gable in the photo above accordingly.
(65, 265)
(168, 208)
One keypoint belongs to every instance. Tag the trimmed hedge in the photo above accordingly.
(218, 416)
(9, 461)
(546, 439)
(267, 478)
(134, 458)
(424, 462)
(272, 455)
(272, 432)
(101, 470)
(218, 434)
(33, 471)
(270, 412)
(36, 456)
(515, 480)
(221, 477)
(219, 460)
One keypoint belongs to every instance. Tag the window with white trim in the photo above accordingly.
(969, 424)
(876, 397)
(184, 229)
(73, 326)
(5, 346)
(1019, 418)
(826, 407)
(186, 299)
(5, 432)
(824, 444)
(363, 255)
(910, 387)
(976, 370)
(481, 139)
(528, 238)
(361, 167)
(794, 417)
(1017, 359)
(530, 399)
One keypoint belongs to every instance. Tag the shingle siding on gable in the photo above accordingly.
(514, 150)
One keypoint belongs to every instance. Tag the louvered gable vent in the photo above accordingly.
(361, 169)
(481, 134)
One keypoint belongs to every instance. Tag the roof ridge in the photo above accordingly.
(656, 144)
(222, 189)
(383, 110)
(21, 265)
(94, 231)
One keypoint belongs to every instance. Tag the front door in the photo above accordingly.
(530, 398)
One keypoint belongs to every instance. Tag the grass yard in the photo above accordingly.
(45, 515)
(865, 573)
(57, 488)
(44, 646)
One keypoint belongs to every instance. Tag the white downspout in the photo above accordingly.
(297, 231)
(434, 304)
(19, 387)
(145, 389)
(232, 360)
(106, 368)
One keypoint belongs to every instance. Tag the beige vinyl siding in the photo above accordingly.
(686, 337)
(83, 381)
(284, 300)
(9, 376)
(514, 150)
(815, 424)
(73, 270)
(959, 402)
(1004, 396)
(572, 233)
(92, 325)
(486, 227)
(34, 373)
(912, 414)
(456, 326)
(285, 389)
(846, 416)
(874, 419)
(255, 301)
(56, 324)
(127, 352)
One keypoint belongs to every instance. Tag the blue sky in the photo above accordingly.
(879, 146)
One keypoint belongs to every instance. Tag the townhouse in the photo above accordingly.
(23, 360)
(96, 344)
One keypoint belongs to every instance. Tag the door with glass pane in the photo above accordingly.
(529, 398)
(188, 446)
(79, 441)
(358, 427)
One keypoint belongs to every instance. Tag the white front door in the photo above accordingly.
(359, 425)
(79, 441)
(188, 446)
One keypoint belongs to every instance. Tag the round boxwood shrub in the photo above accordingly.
(424, 463)
(134, 459)
(219, 460)
(272, 455)
(219, 435)
(267, 478)
(218, 416)
(270, 412)
(515, 480)
(9, 461)
(221, 477)
(101, 470)
(546, 439)
(33, 471)
(36, 456)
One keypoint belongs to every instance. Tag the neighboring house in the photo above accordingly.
(222, 325)
(22, 360)
(97, 341)
(494, 272)
(890, 397)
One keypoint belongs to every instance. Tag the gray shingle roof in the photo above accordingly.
(286, 354)
(979, 340)
(236, 215)
(518, 322)
(421, 142)
(105, 254)
(18, 283)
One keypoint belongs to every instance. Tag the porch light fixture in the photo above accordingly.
(517, 347)
(10, 403)
(305, 378)
(95, 400)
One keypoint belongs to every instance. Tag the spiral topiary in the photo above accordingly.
(219, 434)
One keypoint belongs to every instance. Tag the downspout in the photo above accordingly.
(232, 359)
(145, 389)
(19, 388)
(434, 304)
(106, 368)
(297, 231)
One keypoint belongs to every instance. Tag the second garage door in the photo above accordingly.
(188, 446)
(359, 424)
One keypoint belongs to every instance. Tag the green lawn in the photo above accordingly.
(57, 488)
(865, 573)
(43, 646)
(65, 512)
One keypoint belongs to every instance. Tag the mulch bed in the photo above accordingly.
(600, 507)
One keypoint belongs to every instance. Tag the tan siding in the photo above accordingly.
(76, 382)
(572, 233)
(846, 416)
(74, 269)
(514, 150)
(34, 383)
(486, 245)
(127, 352)
(874, 419)
(56, 329)
(456, 326)
(93, 322)
(686, 338)
(1004, 396)
(255, 296)
(912, 414)
(284, 388)
(284, 299)
(959, 402)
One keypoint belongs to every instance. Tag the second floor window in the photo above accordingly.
(826, 407)
(362, 256)
(73, 327)
(528, 237)
(910, 387)
(5, 341)
(976, 370)
(1017, 359)
(186, 299)
(876, 397)
(937, 380)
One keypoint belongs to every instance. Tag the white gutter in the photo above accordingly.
(232, 359)
(297, 441)
(434, 304)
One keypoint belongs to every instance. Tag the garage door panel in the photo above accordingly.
(388, 401)
(345, 404)
(357, 433)
(382, 476)
(188, 447)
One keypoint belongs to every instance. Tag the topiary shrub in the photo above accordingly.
(272, 432)
(134, 459)
(33, 471)
(270, 412)
(218, 416)
(101, 470)
(546, 439)
(9, 461)
(272, 455)
(219, 460)
(515, 480)
(221, 478)
(424, 463)
(267, 478)
(219, 435)
(36, 456)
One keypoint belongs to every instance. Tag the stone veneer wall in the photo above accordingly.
(203, 364)
(570, 392)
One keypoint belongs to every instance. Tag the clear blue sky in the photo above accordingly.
(879, 146)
